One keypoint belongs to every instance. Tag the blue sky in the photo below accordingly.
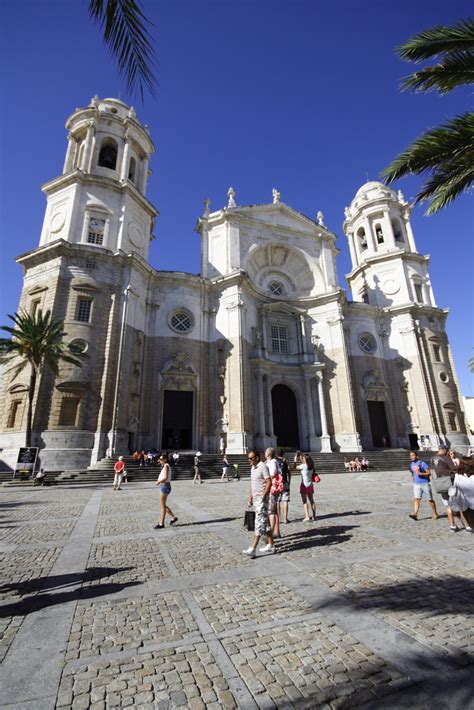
(297, 94)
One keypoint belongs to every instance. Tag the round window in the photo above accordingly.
(367, 343)
(276, 288)
(443, 376)
(78, 345)
(181, 321)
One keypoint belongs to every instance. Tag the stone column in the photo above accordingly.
(144, 176)
(309, 404)
(409, 233)
(388, 226)
(86, 153)
(370, 236)
(325, 438)
(270, 407)
(354, 259)
(125, 159)
(70, 153)
(261, 404)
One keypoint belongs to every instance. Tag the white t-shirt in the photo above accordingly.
(162, 477)
(258, 475)
(306, 474)
(273, 467)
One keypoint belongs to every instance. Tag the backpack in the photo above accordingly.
(282, 465)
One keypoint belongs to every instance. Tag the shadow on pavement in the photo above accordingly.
(211, 521)
(445, 595)
(316, 537)
(47, 597)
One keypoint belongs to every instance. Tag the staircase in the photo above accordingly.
(211, 467)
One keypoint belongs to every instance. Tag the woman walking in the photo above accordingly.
(225, 469)
(306, 488)
(164, 482)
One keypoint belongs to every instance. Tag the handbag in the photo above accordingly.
(315, 478)
(457, 501)
(441, 483)
(249, 520)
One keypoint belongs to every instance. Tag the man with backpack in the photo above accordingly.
(284, 497)
(275, 491)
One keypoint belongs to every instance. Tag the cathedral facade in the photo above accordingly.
(262, 347)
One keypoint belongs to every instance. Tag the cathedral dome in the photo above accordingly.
(374, 190)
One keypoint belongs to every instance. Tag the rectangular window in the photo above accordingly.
(279, 339)
(91, 265)
(83, 309)
(437, 353)
(13, 414)
(34, 306)
(68, 411)
(418, 293)
(452, 421)
(96, 231)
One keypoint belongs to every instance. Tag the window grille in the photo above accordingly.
(367, 343)
(279, 339)
(83, 312)
(181, 321)
(276, 288)
(96, 231)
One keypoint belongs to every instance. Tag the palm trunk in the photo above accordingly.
(29, 416)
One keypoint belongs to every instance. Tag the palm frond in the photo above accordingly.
(125, 34)
(455, 70)
(447, 152)
(438, 40)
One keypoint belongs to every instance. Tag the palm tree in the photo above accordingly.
(125, 34)
(37, 341)
(446, 152)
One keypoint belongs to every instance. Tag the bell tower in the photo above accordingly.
(100, 198)
(387, 270)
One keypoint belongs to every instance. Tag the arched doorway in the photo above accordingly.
(285, 417)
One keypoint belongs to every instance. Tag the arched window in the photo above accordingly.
(108, 154)
(379, 234)
(362, 238)
(397, 231)
(132, 170)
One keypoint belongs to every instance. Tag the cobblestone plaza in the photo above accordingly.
(364, 608)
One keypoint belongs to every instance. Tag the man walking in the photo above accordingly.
(197, 468)
(260, 482)
(118, 472)
(275, 490)
(421, 486)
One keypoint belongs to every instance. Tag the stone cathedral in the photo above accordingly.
(262, 347)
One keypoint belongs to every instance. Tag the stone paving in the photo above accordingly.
(363, 608)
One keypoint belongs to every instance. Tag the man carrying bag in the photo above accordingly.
(444, 471)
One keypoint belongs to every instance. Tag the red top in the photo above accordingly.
(119, 466)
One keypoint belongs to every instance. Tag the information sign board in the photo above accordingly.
(26, 461)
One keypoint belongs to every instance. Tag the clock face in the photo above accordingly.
(57, 221)
(134, 233)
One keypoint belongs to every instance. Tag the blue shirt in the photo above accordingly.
(423, 467)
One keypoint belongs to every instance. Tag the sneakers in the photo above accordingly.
(158, 527)
(413, 516)
(453, 529)
(269, 549)
(172, 522)
(468, 529)
(250, 552)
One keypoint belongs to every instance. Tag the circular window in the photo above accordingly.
(181, 321)
(79, 345)
(367, 343)
(276, 288)
(443, 376)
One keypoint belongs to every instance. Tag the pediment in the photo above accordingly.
(280, 215)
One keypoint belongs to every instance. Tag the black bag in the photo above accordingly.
(249, 520)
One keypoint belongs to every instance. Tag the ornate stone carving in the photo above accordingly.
(207, 205)
(374, 385)
(320, 218)
(276, 196)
